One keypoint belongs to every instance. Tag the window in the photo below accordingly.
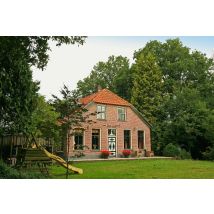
(121, 113)
(111, 132)
(78, 139)
(127, 139)
(95, 139)
(140, 139)
(101, 112)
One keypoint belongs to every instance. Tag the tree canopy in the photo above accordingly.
(147, 86)
(18, 91)
(113, 74)
(184, 116)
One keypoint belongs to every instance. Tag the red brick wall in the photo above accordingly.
(133, 123)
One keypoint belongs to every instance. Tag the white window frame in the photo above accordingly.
(118, 115)
(102, 112)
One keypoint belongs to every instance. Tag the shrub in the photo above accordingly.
(126, 153)
(11, 173)
(184, 154)
(209, 154)
(105, 153)
(171, 151)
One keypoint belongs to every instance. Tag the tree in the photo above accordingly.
(45, 120)
(187, 122)
(71, 115)
(113, 74)
(187, 91)
(180, 66)
(147, 86)
(18, 92)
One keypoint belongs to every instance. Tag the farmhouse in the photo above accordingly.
(117, 126)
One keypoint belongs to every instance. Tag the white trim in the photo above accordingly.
(125, 109)
(115, 142)
(101, 112)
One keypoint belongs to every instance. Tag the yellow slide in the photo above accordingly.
(61, 161)
(58, 159)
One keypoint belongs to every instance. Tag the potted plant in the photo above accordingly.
(126, 153)
(105, 154)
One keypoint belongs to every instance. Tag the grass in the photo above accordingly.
(137, 169)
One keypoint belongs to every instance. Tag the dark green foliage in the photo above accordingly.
(184, 154)
(180, 67)
(34, 49)
(186, 121)
(17, 89)
(185, 114)
(18, 92)
(209, 154)
(147, 86)
(11, 173)
(171, 151)
(44, 120)
(113, 74)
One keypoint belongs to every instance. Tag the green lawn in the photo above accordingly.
(140, 169)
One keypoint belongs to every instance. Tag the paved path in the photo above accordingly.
(113, 159)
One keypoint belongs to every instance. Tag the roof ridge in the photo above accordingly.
(105, 96)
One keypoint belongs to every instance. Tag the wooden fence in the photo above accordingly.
(9, 145)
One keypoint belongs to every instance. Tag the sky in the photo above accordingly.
(70, 63)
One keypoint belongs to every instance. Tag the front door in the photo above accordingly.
(112, 142)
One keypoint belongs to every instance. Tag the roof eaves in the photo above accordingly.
(89, 103)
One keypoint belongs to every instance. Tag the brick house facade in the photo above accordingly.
(117, 126)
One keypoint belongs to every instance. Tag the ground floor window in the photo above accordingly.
(127, 139)
(78, 139)
(140, 139)
(95, 139)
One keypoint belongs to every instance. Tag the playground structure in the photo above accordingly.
(61, 161)
(28, 152)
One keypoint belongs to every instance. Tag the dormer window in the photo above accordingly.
(101, 112)
(121, 113)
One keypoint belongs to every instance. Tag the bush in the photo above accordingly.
(105, 153)
(184, 154)
(11, 173)
(171, 151)
(209, 154)
(126, 153)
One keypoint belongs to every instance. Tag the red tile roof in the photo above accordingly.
(105, 96)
